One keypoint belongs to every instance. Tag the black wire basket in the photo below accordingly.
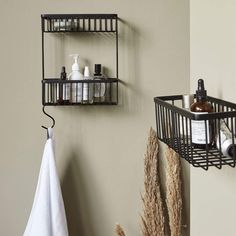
(175, 128)
(79, 92)
(54, 23)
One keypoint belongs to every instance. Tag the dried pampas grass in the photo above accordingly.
(119, 230)
(153, 214)
(153, 219)
(173, 192)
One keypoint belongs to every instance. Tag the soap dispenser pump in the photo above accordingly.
(76, 75)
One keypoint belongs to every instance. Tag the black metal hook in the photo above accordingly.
(54, 122)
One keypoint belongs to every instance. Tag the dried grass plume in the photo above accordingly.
(119, 230)
(153, 214)
(173, 192)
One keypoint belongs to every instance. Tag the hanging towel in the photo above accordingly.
(47, 217)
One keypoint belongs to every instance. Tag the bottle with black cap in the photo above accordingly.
(99, 88)
(63, 90)
(202, 130)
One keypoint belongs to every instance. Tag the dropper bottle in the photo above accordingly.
(63, 90)
(202, 130)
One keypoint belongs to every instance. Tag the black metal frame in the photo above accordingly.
(174, 127)
(50, 91)
(80, 23)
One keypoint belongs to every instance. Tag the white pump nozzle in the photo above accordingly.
(75, 66)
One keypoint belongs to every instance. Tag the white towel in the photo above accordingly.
(47, 217)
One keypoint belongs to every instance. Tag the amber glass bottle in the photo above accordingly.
(202, 131)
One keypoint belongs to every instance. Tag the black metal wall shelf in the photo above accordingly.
(52, 95)
(174, 127)
(80, 23)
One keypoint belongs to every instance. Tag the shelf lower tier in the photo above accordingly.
(57, 92)
(200, 157)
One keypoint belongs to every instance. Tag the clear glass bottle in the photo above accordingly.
(99, 88)
(184, 122)
(202, 130)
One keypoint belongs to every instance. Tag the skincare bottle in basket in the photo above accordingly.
(76, 96)
(225, 141)
(62, 25)
(202, 130)
(63, 89)
(184, 122)
(99, 88)
(87, 87)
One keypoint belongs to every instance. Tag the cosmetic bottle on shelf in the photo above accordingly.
(225, 141)
(99, 88)
(202, 130)
(63, 89)
(63, 25)
(76, 95)
(184, 122)
(87, 87)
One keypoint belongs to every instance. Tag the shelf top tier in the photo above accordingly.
(79, 23)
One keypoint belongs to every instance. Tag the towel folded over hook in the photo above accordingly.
(47, 217)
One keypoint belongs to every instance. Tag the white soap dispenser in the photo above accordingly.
(76, 95)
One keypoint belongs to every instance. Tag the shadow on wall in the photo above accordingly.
(131, 73)
(76, 200)
(129, 44)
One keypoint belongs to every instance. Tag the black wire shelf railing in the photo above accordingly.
(174, 127)
(79, 23)
(79, 92)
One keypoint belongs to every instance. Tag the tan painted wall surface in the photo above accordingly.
(99, 149)
(213, 57)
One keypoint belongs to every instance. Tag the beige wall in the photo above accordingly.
(213, 57)
(99, 149)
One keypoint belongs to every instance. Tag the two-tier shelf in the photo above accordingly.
(80, 23)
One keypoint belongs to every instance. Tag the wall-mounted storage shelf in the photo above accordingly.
(52, 87)
(174, 127)
(51, 91)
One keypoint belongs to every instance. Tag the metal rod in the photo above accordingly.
(117, 52)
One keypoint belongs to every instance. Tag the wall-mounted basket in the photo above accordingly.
(79, 23)
(52, 94)
(174, 127)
